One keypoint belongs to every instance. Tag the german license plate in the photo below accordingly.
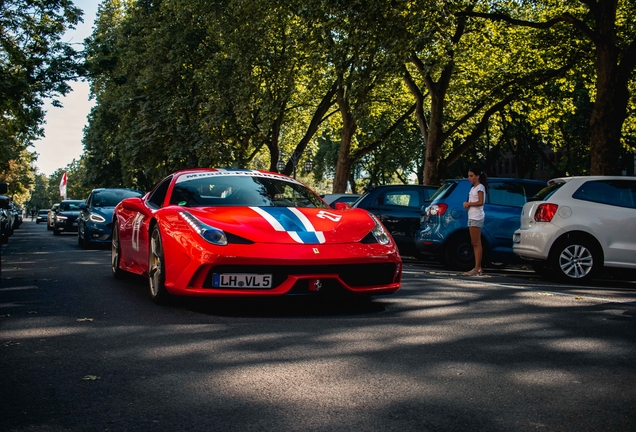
(242, 280)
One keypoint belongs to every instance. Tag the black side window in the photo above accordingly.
(532, 189)
(619, 193)
(443, 191)
(506, 193)
(159, 195)
(402, 198)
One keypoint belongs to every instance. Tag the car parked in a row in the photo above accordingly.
(42, 215)
(443, 232)
(577, 226)
(95, 220)
(398, 207)
(65, 219)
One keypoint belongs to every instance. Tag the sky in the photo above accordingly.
(64, 126)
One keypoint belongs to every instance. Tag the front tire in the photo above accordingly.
(575, 260)
(156, 269)
(459, 253)
(115, 253)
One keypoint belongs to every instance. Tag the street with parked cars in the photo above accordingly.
(268, 300)
(569, 229)
(81, 350)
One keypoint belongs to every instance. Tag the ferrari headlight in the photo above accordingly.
(96, 218)
(60, 218)
(379, 232)
(207, 232)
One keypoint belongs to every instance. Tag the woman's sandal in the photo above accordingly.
(473, 272)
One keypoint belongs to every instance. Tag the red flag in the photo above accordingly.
(63, 186)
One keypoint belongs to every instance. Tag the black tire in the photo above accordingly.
(156, 269)
(574, 260)
(56, 232)
(115, 253)
(459, 253)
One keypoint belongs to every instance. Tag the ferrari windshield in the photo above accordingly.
(252, 189)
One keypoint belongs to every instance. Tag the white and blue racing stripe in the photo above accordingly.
(293, 222)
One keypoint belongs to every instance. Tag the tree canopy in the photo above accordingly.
(34, 65)
(380, 91)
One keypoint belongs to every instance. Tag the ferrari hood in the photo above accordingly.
(288, 225)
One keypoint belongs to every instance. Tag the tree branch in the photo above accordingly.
(385, 136)
(565, 17)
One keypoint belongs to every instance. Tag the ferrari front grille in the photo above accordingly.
(354, 275)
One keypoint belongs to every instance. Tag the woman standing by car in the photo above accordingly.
(476, 215)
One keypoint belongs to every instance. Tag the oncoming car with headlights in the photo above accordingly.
(242, 233)
(95, 221)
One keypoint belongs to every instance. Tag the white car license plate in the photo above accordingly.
(242, 280)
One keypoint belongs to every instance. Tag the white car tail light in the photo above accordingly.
(545, 212)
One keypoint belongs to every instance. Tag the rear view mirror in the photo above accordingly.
(342, 206)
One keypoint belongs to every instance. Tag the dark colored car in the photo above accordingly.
(444, 235)
(43, 215)
(50, 219)
(95, 221)
(398, 207)
(17, 211)
(66, 217)
(332, 199)
(5, 219)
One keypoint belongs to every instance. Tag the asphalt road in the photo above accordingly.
(81, 351)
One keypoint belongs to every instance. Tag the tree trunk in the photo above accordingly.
(349, 127)
(344, 158)
(434, 141)
(612, 95)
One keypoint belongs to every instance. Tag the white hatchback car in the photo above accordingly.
(578, 225)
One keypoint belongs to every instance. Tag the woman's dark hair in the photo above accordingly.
(483, 178)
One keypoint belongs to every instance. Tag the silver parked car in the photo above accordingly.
(577, 226)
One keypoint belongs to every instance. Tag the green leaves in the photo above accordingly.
(183, 83)
(34, 65)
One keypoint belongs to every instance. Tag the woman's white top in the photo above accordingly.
(476, 212)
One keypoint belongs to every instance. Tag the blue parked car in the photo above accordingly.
(443, 229)
(95, 221)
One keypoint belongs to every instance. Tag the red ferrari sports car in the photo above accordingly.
(240, 233)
